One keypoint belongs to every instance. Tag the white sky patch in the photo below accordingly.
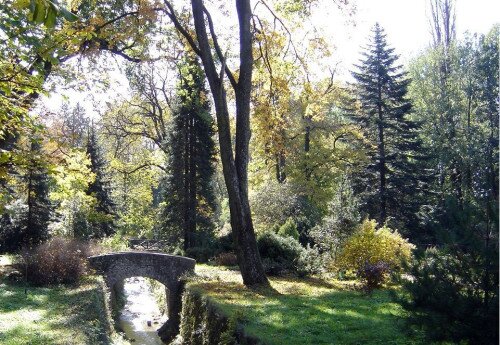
(406, 23)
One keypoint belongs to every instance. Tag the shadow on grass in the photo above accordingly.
(66, 314)
(330, 317)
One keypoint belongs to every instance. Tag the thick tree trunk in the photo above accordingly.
(234, 167)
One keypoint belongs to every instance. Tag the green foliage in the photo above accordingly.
(102, 219)
(458, 107)
(279, 254)
(25, 221)
(453, 293)
(369, 245)
(340, 223)
(46, 12)
(74, 206)
(390, 185)
(189, 200)
(274, 203)
(454, 296)
(289, 229)
(202, 322)
(310, 262)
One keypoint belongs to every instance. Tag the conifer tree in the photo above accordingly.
(390, 185)
(102, 220)
(39, 207)
(189, 197)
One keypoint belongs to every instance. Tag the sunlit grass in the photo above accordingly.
(307, 311)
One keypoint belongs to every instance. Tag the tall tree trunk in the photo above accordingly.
(192, 203)
(307, 148)
(280, 167)
(186, 176)
(234, 167)
(381, 153)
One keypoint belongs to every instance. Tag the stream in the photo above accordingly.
(140, 307)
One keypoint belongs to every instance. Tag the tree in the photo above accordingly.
(454, 290)
(206, 43)
(25, 224)
(460, 126)
(234, 165)
(189, 198)
(102, 221)
(31, 53)
(39, 206)
(390, 183)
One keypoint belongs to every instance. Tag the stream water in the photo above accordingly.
(140, 309)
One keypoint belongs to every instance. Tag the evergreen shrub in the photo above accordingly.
(453, 294)
(279, 254)
(289, 229)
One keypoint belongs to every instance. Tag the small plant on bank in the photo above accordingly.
(373, 275)
(58, 261)
(226, 259)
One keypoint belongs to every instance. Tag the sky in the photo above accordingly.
(406, 23)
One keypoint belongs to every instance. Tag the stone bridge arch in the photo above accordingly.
(165, 268)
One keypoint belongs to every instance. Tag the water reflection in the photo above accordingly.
(140, 317)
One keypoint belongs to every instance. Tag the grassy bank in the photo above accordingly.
(56, 315)
(306, 311)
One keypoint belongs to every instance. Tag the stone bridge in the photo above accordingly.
(167, 269)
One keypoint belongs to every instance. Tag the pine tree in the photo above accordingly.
(39, 206)
(390, 184)
(189, 197)
(102, 220)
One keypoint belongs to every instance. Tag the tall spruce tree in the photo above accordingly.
(24, 222)
(39, 206)
(389, 185)
(101, 221)
(189, 197)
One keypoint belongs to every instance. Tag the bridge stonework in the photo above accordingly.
(165, 268)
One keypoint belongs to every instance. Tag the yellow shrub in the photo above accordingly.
(369, 245)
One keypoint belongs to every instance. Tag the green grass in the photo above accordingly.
(55, 315)
(307, 311)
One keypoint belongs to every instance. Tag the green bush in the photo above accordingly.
(453, 294)
(279, 254)
(58, 261)
(369, 245)
(289, 229)
(310, 262)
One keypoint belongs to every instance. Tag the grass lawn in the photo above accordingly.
(55, 315)
(307, 311)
